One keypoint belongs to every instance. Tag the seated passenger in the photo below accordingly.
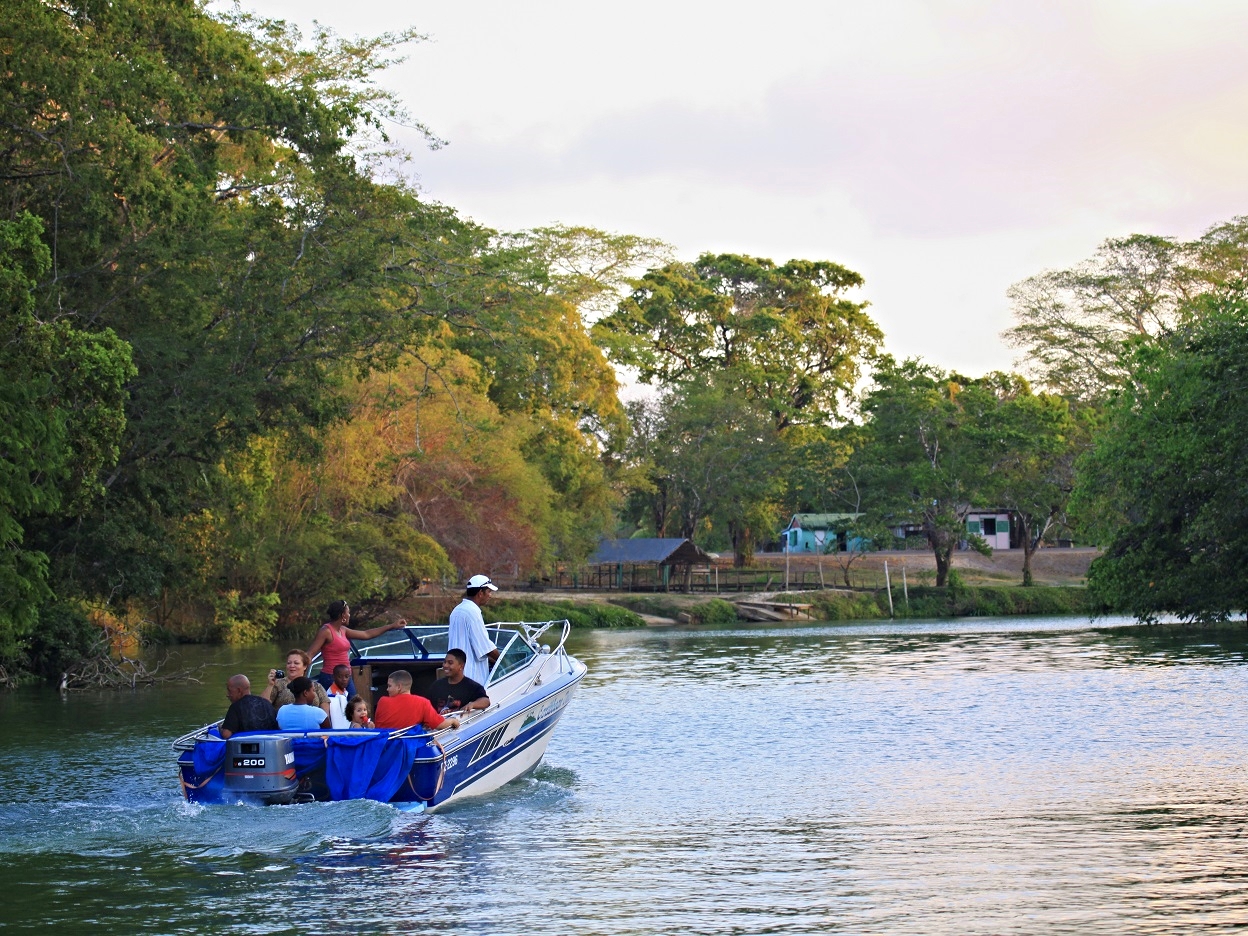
(357, 713)
(303, 714)
(297, 663)
(400, 709)
(455, 692)
(247, 712)
(339, 696)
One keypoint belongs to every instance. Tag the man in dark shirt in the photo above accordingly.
(455, 692)
(247, 712)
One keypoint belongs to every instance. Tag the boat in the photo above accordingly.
(414, 769)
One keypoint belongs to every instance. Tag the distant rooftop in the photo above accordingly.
(665, 550)
(816, 521)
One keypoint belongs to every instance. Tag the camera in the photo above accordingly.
(279, 674)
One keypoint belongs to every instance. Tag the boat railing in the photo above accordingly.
(532, 632)
(188, 741)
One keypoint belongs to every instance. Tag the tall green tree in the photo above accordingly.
(1030, 442)
(1164, 483)
(923, 464)
(1077, 326)
(62, 395)
(787, 337)
(708, 456)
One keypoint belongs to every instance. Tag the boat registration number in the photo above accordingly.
(249, 762)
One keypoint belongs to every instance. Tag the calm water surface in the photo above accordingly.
(992, 776)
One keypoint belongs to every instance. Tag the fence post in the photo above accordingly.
(889, 587)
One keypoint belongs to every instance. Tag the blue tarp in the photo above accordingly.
(208, 756)
(357, 765)
(369, 766)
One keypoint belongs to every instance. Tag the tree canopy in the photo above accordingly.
(787, 337)
(1164, 484)
(1077, 326)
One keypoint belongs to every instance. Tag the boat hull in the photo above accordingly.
(490, 750)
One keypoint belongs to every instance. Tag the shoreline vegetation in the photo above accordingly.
(249, 370)
(607, 610)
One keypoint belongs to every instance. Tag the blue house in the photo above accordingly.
(821, 533)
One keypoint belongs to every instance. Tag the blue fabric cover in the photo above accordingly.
(208, 756)
(368, 764)
(357, 764)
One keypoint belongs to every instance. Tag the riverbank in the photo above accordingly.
(615, 609)
(988, 585)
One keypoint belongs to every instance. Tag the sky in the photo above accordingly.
(944, 150)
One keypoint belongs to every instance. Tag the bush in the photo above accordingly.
(581, 615)
(988, 600)
(714, 612)
(835, 606)
(64, 636)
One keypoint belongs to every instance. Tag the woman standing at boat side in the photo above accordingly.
(334, 638)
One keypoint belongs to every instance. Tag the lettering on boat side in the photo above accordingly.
(452, 761)
(547, 708)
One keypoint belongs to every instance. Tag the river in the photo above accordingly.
(980, 776)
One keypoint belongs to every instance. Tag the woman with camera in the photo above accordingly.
(297, 663)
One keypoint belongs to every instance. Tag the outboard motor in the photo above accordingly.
(261, 766)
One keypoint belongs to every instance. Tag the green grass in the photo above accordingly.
(987, 601)
(712, 611)
(580, 614)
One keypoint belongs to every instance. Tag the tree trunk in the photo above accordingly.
(1029, 547)
(742, 545)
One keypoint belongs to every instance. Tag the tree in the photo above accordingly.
(1164, 482)
(922, 464)
(1076, 326)
(786, 337)
(1031, 442)
(710, 456)
(62, 393)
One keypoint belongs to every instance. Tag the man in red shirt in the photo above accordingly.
(400, 709)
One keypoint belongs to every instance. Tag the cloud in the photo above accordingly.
(1009, 116)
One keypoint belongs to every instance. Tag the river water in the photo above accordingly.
(985, 776)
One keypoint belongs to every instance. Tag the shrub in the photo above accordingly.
(836, 606)
(581, 615)
(714, 612)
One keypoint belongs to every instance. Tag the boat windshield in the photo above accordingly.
(516, 652)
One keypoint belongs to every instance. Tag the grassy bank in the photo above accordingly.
(986, 601)
(624, 610)
(710, 611)
(580, 613)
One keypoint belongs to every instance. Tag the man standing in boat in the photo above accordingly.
(467, 629)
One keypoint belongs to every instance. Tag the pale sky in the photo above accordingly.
(944, 150)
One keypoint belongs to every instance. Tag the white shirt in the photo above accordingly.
(467, 632)
(338, 710)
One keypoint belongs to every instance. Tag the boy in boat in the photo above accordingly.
(400, 709)
(455, 692)
(303, 714)
(247, 712)
(339, 696)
